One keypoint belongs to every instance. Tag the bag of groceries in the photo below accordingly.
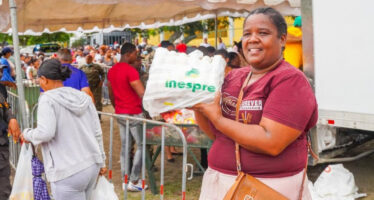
(177, 80)
(104, 190)
(22, 186)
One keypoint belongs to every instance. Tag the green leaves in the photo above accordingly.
(31, 40)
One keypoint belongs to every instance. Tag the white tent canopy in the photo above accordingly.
(93, 15)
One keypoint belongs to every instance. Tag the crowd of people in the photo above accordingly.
(276, 109)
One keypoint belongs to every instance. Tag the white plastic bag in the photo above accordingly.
(326, 137)
(22, 186)
(177, 80)
(104, 190)
(335, 183)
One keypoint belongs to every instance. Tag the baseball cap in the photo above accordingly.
(6, 50)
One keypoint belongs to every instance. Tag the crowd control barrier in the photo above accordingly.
(15, 147)
(143, 126)
(144, 123)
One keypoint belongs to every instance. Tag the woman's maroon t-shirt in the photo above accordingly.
(283, 95)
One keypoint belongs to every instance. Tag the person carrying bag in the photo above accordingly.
(246, 186)
(268, 109)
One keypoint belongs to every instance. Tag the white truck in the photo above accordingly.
(338, 46)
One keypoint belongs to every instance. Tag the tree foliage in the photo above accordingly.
(5, 39)
(190, 30)
(31, 40)
(78, 43)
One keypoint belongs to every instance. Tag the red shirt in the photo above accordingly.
(125, 98)
(283, 95)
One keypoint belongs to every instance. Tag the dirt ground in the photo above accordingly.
(173, 171)
(362, 169)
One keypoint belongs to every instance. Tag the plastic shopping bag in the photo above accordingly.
(103, 190)
(22, 185)
(177, 80)
(335, 183)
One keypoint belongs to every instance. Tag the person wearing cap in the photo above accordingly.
(70, 135)
(8, 123)
(293, 52)
(5, 54)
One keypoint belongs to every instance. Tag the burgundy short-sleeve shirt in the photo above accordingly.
(283, 95)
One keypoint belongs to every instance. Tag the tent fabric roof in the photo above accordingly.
(93, 15)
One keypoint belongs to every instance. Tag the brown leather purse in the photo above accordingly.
(246, 187)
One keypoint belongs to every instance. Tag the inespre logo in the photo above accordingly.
(193, 73)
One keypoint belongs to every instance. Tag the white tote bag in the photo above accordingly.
(22, 186)
(103, 190)
(177, 80)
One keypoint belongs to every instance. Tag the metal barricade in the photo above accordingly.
(15, 148)
(144, 128)
(127, 156)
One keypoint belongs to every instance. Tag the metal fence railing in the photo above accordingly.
(144, 123)
(143, 126)
(15, 148)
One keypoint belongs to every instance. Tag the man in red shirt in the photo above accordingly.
(126, 92)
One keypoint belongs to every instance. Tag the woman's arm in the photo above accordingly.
(46, 128)
(269, 137)
(204, 125)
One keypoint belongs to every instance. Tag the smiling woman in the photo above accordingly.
(271, 108)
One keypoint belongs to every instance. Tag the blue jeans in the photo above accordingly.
(137, 136)
(105, 90)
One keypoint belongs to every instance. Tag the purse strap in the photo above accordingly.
(240, 98)
(310, 150)
(238, 104)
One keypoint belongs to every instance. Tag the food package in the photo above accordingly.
(177, 80)
(183, 116)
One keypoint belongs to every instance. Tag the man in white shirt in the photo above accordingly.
(205, 43)
(221, 45)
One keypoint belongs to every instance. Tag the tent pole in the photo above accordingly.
(20, 89)
(215, 29)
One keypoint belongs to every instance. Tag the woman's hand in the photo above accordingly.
(102, 171)
(212, 110)
(23, 140)
(13, 129)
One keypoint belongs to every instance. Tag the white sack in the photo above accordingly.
(335, 183)
(22, 185)
(326, 137)
(103, 190)
(177, 80)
